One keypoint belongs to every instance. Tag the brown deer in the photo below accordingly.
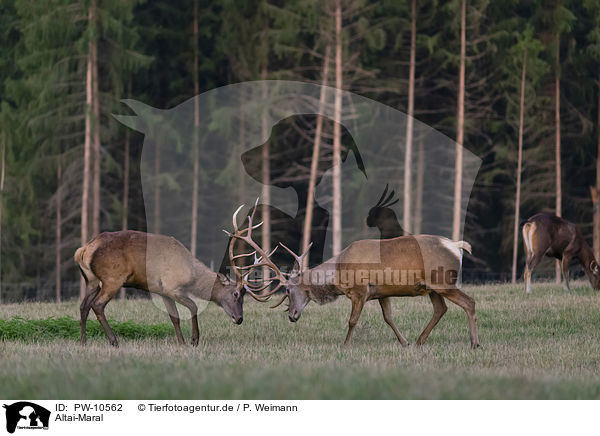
(545, 234)
(154, 263)
(370, 270)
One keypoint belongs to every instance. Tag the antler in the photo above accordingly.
(263, 259)
(299, 259)
(299, 263)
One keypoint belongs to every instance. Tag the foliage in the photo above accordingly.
(146, 53)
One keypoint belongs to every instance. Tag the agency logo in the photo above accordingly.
(26, 415)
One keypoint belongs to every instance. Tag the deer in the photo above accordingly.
(383, 216)
(545, 234)
(154, 263)
(400, 266)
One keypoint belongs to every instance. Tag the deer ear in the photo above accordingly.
(223, 279)
(594, 267)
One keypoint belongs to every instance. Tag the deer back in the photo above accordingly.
(433, 257)
(155, 263)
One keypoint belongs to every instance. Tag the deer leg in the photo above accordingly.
(531, 263)
(107, 293)
(84, 310)
(358, 303)
(189, 303)
(386, 308)
(439, 309)
(468, 304)
(174, 315)
(564, 264)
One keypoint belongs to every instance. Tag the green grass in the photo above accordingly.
(36, 330)
(543, 345)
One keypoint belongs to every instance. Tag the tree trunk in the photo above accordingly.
(125, 193)
(418, 224)
(58, 230)
(156, 210)
(86, 157)
(337, 135)
(557, 147)
(95, 126)
(2, 173)
(195, 151)
(519, 167)
(314, 164)
(266, 173)
(596, 208)
(126, 164)
(241, 147)
(406, 224)
(125, 223)
(460, 126)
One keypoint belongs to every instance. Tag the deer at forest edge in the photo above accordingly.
(322, 284)
(155, 263)
(545, 234)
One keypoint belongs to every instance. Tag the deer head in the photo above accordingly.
(594, 275)
(230, 297)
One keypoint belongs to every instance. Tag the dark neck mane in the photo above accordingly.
(322, 293)
(317, 282)
(586, 255)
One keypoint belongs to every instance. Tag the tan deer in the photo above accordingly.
(154, 263)
(367, 270)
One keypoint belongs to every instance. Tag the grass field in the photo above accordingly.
(543, 345)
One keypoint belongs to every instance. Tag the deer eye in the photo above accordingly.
(236, 294)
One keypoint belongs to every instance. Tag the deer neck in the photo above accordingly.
(586, 256)
(203, 282)
(319, 283)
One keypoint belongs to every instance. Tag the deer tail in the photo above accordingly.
(528, 231)
(78, 257)
(83, 268)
